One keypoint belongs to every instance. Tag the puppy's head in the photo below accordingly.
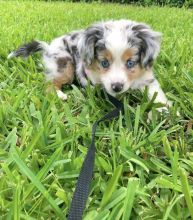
(118, 52)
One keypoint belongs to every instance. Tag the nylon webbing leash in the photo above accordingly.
(85, 177)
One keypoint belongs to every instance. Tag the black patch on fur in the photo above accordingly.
(100, 46)
(140, 27)
(28, 49)
(74, 50)
(66, 46)
(147, 41)
(90, 37)
(74, 36)
(62, 62)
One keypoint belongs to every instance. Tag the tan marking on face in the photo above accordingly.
(105, 54)
(102, 55)
(136, 71)
(128, 54)
(93, 66)
(132, 74)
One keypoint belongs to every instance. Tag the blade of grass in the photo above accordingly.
(116, 198)
(16, 202)
(36, 137)
(111, 185)
(26, 171)
(137, 117)
(43, 171)
(102, 215)
(129, 198)
(134, 158)
(186, 190)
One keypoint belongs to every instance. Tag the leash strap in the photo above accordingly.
(83, 184)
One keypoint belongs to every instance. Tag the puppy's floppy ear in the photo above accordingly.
(87, 42)
(149, 42)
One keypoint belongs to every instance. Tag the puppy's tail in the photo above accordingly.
(28, 49)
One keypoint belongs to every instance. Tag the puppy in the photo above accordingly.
(116, 54)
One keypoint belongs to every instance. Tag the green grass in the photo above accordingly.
(142, 171)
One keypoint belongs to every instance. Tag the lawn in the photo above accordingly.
(142, 171)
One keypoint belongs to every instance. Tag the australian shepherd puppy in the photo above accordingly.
(116, 54)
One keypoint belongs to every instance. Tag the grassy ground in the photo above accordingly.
(142, 171)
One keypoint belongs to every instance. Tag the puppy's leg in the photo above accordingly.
(154, 87)
(60, 72)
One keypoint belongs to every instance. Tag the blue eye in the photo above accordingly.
(105, 64)
(130, 64)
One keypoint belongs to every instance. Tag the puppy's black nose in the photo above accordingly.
(117, 87)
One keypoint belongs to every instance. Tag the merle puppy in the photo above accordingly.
(116, 54)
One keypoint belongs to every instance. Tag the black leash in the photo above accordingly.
(82, 188)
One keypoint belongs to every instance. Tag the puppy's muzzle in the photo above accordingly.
(117, 87)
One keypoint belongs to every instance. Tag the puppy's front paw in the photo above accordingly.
(161, 110)
(61, 95)
(166, 109)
